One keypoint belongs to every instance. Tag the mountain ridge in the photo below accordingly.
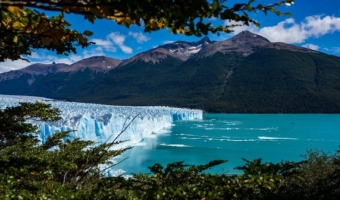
(95, 63)
(244, 74)
(182, 50)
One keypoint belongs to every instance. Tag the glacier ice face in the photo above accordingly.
(103, 123)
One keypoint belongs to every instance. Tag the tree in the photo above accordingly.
(24, 26)
(57, 169)
(318, 177)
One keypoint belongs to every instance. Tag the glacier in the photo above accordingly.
(103, 123)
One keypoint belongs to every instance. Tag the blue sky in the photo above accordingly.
(314, 24)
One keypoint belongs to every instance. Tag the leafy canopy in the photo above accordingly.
(24, 26)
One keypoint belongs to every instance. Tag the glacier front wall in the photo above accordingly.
(103, 123)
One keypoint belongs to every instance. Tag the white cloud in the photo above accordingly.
(286, 31)
(335, 50)
(289, 31)
(75, 58)
(48, 59)
(41, 57)
(240, 26)
(140, 38)
(106, 44)
(67, 60)
(112, 41)
(34, 55)
(98, 51)
(100, 42)
(9, 65)
(311, 46)
(119, 39)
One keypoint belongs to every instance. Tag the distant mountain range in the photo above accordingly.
(244, 74)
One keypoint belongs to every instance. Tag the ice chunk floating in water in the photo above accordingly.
(102, 123)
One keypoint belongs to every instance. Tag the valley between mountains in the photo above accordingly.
(244, 74)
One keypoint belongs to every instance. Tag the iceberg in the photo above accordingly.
(103, 123)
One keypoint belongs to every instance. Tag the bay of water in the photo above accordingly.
(272, 137)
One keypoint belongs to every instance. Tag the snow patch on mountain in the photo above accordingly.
(187, 51)
(180, 50)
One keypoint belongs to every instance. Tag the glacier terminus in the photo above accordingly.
(103, 123)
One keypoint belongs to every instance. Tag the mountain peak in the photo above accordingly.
(247, 36)
(246, 43)
(205, 40)
(95, 63)
(181, 50)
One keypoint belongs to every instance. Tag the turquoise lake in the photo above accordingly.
(272, 137)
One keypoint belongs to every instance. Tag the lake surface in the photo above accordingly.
(272, 137)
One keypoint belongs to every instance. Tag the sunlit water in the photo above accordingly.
(272, 137)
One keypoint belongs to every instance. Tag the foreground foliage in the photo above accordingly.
(53, 170)
(62, 168)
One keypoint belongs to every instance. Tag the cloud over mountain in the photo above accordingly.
(290, 31)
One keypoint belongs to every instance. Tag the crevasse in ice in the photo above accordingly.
(102, 123)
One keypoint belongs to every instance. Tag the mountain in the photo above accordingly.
(180, 50)
(95, 63)
(33, 70)
(244, 74)
(247, 43)
(52, 79)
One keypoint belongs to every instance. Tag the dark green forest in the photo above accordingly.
(61, 168)
(267, 81)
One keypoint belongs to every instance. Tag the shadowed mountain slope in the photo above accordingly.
(244, 74)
